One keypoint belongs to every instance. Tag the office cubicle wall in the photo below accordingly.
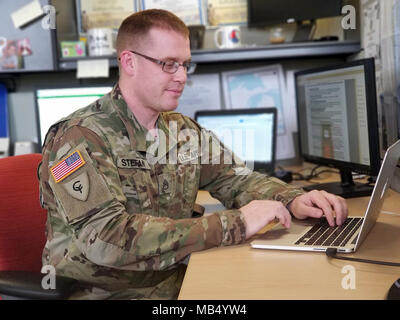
(27, 48)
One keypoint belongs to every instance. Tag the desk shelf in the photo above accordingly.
(282, 51)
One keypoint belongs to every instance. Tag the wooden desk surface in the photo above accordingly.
(241, 272)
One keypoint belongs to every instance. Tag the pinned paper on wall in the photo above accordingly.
(12, 53)
(98, 68)
(202, 92)
(261, 88)
(27, 14)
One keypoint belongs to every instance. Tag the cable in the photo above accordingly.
(331, 253)
(313, 174)
(297, 176)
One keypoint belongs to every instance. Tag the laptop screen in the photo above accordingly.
(249, 133)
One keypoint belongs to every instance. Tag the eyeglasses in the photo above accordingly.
(170, 66)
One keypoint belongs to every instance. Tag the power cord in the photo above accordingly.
(313, 174)
(331, 253)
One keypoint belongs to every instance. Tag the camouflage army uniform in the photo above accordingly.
(122, 225)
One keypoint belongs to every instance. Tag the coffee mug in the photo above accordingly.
(229, 36)
(100, 42)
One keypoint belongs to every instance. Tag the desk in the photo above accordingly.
(240, 272)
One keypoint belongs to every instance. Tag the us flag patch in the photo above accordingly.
(65, 167)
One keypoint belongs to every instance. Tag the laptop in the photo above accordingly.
(316, 235)
(249, 133)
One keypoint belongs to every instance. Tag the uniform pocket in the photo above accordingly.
(135, 186)
(187, 185)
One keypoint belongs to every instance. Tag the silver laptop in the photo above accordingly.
(316, 235)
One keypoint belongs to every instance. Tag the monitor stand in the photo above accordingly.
(346, 188)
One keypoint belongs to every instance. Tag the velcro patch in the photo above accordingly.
(132, 163)
(68, 165)
(78, 188)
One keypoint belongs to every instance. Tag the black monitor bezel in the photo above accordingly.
(252, 24)
(58, 86)
(267, 166)
(372, 118)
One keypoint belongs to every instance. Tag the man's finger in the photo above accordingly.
(339, 205)
(321, 202)
(285, 218)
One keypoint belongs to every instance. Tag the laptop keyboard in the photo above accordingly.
(321, 234)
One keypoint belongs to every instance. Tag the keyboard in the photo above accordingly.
(321, 234)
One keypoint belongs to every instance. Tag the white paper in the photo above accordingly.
(190, 11)
(290, 100)
(202, 92)
(4, 147)
(372, 35)
(26, 14)
(260, 88)
(98, 68)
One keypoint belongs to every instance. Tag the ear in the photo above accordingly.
(127, 63)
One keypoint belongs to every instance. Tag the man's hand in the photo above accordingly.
(258, 213)
(316, 204)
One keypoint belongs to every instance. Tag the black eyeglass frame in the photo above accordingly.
(189, 67)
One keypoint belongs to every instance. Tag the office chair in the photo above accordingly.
(22, 233)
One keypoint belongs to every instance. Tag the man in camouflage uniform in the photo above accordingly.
(119, 178)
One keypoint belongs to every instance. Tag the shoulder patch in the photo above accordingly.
(67, 166)
(82, 192)
(78, 188)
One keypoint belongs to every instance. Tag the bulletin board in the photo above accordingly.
(27, 48)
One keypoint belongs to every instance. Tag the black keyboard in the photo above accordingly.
(321, 234)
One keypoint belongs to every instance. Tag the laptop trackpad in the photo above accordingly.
(280, 235)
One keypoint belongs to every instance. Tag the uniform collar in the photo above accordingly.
(137, 133)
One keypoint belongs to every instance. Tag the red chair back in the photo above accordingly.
(22, 220)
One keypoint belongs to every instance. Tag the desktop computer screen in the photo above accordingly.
(338, 123)
(249, 133)
(56, 103)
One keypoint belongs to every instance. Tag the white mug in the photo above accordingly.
(230, 37)
(100, 42)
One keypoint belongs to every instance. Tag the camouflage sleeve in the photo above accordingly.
(98, 222)
(235, 185)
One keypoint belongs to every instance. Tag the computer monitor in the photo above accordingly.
(338, 122)
(249, 133)
(262, 13)
(55, 103)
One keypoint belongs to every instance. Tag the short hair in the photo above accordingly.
(135, 27)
